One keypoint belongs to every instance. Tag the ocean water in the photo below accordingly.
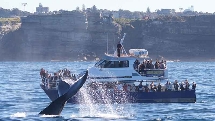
(22, 98)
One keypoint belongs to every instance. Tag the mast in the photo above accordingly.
(121, 41)
(107, 43)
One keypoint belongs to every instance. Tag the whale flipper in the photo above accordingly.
(57, 105)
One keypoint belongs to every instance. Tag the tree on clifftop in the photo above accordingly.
(148, 10)
(77, 9)
(83, 7)
(94, 8)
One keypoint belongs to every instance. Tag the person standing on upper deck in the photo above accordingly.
(119, 47)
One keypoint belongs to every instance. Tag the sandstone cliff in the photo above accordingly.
(83, 36)
(68, 36)
(188, 38)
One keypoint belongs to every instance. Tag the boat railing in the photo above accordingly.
(53, 83)
(50, 84)
(152, 72)
(136, 89)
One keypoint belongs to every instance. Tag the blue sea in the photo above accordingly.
(22, 98)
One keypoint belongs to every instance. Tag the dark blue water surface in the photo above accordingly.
(22, 98)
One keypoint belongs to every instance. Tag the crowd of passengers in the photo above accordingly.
(148, 64)
(48, 77)
(183, 86)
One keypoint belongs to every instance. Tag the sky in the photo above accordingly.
(131, 5)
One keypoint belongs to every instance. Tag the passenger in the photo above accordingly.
(69, 73)
(151, 64)
(187, 85)
(136, 88)
(125, 87)
(182, 86)
(46, 74)
(152, 86)
(119, 87)
(55, 76)
(119, 46)
(176, 85)
(167, 85)
(159, 87)
(148, 65)
(146, 88)
(157, 65)
(129, 88)
(133, 88)
(162, 65)
(142, 66)
(65, 72)
(136, 64)
(155, 88)
(194, 86)
(140, 86)
(42, 73)
(74, 77)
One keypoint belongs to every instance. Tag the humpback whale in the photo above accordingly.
(63, 87)
(56, 106)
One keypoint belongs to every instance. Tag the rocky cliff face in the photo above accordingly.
(83, 36)
(190, 38)
(68, 36)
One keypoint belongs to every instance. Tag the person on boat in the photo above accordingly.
(148, 65)
(162, 65)
(119, 47)
(156, 64)
(142, 66)
(166, 85)
(140, 87)
(133, 88)
(182, 86)
(151, 65)
(128, 87)
(136, 63)
(187, 85)
(42, 73)
(194, 86)
(146, 87)
(55, 76)
(73, 77)
(125, 87)
(159, 87)
(152, 86)
(176, 85)
(119, 87)
(169, 86)
(46, 74)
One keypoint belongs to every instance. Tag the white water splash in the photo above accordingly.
(49, 116)
(18, 115)
(110, 116)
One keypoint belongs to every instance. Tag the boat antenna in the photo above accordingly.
(107, 43)
(121, 41)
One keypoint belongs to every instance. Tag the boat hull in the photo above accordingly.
(188, 96)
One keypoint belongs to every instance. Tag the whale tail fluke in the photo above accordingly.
(56, 107)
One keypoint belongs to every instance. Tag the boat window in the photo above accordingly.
(97, 64)
(114, 64)
(124, 63)
(102, 64)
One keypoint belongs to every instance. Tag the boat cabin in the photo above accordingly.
(124, 68)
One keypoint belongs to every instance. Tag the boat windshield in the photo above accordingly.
(100, 61)
(114, 64)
